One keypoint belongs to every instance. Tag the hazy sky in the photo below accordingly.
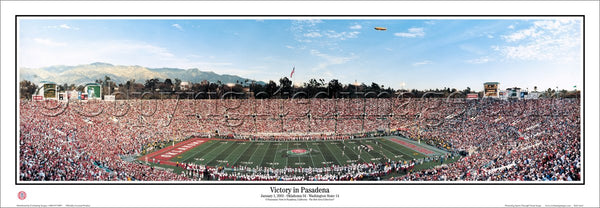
(421, 53)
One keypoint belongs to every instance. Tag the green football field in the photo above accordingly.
(279, 154)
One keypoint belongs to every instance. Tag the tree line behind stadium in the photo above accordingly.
(314, 88)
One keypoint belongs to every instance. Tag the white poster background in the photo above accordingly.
(249, 195)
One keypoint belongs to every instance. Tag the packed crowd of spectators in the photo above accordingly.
(501, 140)
(81, 144)
(349, 172)
(528, 140)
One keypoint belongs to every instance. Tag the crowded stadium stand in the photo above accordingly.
(496, 140)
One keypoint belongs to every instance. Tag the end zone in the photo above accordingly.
(413, 147)
(163, 156)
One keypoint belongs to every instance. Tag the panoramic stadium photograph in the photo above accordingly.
(237, 99)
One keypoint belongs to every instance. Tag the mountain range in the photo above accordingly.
(120, 74)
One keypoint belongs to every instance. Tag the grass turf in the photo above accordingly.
(279, 154)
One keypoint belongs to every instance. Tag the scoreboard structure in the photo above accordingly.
(50, 91)
(46, 91)
(93, 91)
(491, 89)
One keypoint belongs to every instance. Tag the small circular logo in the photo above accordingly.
(297, 152)
(22, 195)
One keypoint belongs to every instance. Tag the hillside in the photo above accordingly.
(120, 74)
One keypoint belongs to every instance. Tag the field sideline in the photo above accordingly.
(280, 154)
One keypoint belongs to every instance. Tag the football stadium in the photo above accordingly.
(388, 138)
(396, 100)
